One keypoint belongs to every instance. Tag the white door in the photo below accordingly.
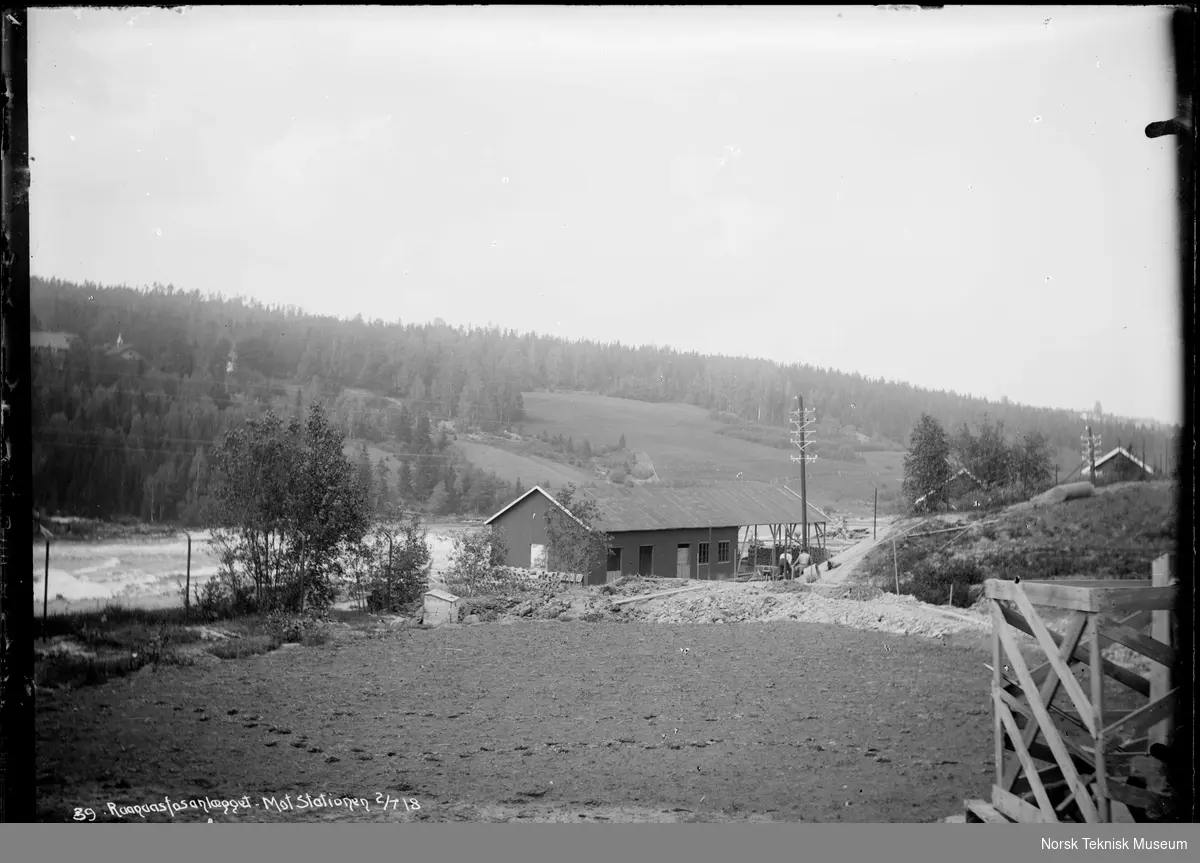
(537, 557)
(683, 564)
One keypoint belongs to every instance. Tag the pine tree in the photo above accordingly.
(926, 469)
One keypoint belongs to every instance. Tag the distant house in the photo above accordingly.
(51, 342)
(667, 532)
(122, 351)
(1119, 464)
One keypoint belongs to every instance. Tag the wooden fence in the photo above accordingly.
(1089, 756)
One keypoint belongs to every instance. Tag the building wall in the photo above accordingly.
(1117, 469)
(666, 544)
(525, 525)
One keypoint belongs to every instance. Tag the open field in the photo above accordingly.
(511, 466)
(684, 444)
(546, 721)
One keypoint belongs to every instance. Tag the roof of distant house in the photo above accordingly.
(1087, 468)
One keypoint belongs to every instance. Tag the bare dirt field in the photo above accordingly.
(540, 720)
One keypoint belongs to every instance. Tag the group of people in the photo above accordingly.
(789, 564)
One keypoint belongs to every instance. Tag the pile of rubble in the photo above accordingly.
(664, 600)
(857, 607)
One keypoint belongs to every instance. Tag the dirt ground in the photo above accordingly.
(542, 721)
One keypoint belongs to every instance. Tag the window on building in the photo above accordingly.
(722, 552)
(703, 558)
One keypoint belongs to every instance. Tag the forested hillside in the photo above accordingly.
(127, 434)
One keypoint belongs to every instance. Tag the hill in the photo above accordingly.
(684, 443)
(1116, 533)
(127, 432)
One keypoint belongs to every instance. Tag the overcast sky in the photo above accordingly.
(962, 199)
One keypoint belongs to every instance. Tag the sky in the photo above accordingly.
(962, 199)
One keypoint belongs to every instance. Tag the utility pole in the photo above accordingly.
(875, 514)
(801, 421)
(1090, 442)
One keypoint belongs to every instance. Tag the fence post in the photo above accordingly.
(187, 585)
(46, 589)
(896, 566)
(1160, 630)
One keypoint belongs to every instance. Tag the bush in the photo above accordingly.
(477, 559)
(294, 628)
(931, 582)
(391, 590)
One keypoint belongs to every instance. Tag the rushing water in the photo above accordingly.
(133, 571)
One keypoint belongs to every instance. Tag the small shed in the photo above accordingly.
(440, 607)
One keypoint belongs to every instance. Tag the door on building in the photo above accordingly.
(537, 557)
(683, 561)
(646, 560)
(613, 568)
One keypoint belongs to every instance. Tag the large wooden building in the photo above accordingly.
(667, 532)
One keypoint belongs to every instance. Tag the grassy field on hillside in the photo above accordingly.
(511, 466)
(1114, 534)
(683, 444)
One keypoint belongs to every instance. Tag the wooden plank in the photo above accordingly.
(1048, 689)
(1129, 678)
(1138, 620)
(1097, 723)
(997, 723)
(1078, 743)
(1031, 771)
(1061, 755)
(1018, 810)
(1041, 752)
(1132, 725)
(1123, 599)
(985, 812)
(1091, 583)
(1048, 776)
(1156, 805)
(1160, 629)
(1151, 648)
(1053, 595)
(657, 595)
(1051, 647)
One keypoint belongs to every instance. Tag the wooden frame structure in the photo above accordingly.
(788, 535)
(1089, 756)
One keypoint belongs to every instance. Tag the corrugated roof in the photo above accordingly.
(441, 594)
(722, 505)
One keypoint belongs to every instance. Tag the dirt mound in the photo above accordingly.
(856, 592)
(754, 603)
